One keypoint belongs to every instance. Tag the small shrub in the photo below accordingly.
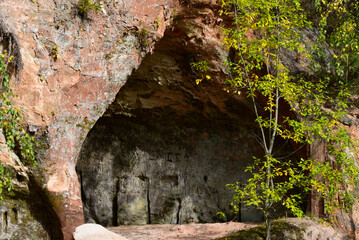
(55, 52)
(17, 139)
(87, 5)
(143, 38)
(157, 23)
(201, 67)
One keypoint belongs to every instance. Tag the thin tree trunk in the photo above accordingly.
(268, 228)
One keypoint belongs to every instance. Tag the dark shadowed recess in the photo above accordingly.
(166, 148)
(43, 211)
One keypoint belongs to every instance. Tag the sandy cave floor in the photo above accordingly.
(180, 232)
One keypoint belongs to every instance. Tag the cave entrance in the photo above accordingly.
(166, 148)
(153, 170)
(159, 165)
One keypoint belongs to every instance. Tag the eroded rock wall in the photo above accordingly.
(25, 212)
(73, 68)
(148, 170)
(166, 147)
(198, 134)
(62, 97)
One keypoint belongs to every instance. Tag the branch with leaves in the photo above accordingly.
(263, 30)
(10, 122)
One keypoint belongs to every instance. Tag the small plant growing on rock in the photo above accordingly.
(55, 52)
(156, 24)
(143, 37)
(201, 67)
(10, 122)
(5, 180)
(84, 6)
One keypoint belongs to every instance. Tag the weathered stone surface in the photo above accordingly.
(24, 213)
(290, 229)
(91, 231)
(179, 177)
(166, 148)
(62, 99)
(17, 221)
(65, 96)
(311, 230)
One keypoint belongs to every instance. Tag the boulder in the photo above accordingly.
(92, 231)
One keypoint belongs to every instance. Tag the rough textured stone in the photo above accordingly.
(179, 177)
(288, 229)
(166, 148)
(24, 212)
(65, 96)
(92, 231)
(291, 229)
(17, 221)
(62, 99)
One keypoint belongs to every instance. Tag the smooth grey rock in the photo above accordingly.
(91, 231)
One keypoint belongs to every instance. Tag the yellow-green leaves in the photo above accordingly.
(86, 5)
(338, 27)
(5, 181)
(55, 52)
(264, 33)
(15, 135)
(201, 67)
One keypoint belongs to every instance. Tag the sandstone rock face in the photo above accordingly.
(160, 151)
(62, 97)
(165, 149)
